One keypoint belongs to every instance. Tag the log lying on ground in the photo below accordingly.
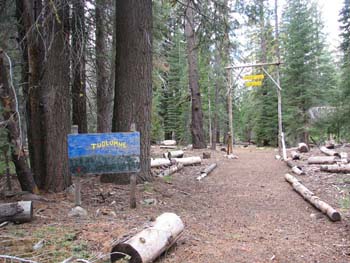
(335, 168)
(330, 144)
(169, 142)
(19, 212)
(188, 160)
(207, 171)
(295, 155)
(313, 199)
(344, 157)
(171, 170)
(174, 154)
(160, 162)
(303, 148)
(168, 147)
(328, 151)
(151, 242)
(322, 160)
(295, 168)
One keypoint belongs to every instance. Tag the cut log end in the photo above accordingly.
(122, 250)
(335, 216)
(20, 212)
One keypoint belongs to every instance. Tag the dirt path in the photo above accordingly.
(246, 212)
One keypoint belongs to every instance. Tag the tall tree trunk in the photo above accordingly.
(54, 98)
(27, 14)
(111, 83)
(133, 73)
(79, 114)
(103, 91)
(216, 99)
(10, 114)
(198, 139)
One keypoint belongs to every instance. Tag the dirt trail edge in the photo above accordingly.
(246, 212)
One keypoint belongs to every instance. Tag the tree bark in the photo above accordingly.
(133, 74)
(27, 15)
(10, 114)
(104, 94)
(54, 97)
(79, 115)
(198, 139)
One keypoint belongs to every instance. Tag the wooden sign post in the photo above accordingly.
(103, 153)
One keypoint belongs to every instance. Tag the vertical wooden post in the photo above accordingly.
(229, 102)
(77, 184)
(209, 113)
(229, 143)
(77, 193)
(281, 143)
(133, 179)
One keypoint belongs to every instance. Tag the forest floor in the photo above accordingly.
(244, 211)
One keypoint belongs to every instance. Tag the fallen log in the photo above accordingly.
(174, 154)
(295, 155)
(168, 147)
(160, 162)
(344, 157)
(295, 168)
(207, 171)
(313, 199)
(19, 212)
(330, 144)
(188, 160)
(322, 160)
(328, 152)
(171, 170)
(303, 148)
(169, 142)
(151, 242)
(335, 168)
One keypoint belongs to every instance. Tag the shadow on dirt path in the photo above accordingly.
(246, 212)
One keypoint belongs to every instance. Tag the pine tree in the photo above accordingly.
(344, 117)
(301, 53)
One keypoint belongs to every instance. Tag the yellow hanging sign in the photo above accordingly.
(253, 83)
(254, 77)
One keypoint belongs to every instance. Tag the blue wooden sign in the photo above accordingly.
(103, 153)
